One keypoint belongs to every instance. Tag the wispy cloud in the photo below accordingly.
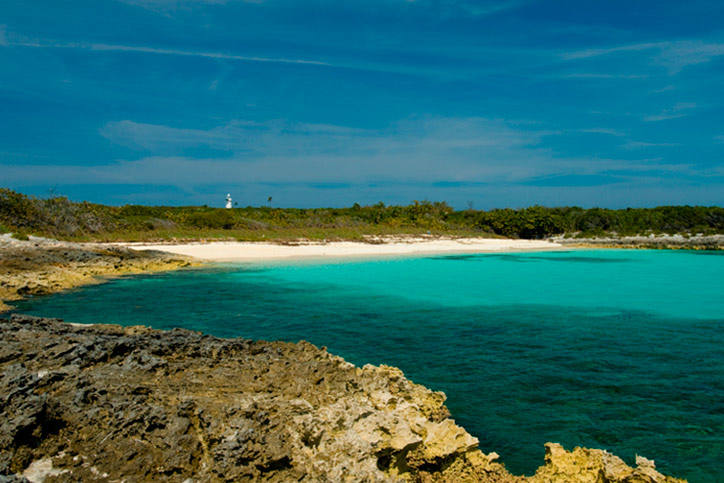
(238, 137)
(576, 180)
(542, 63)
(413, 158)
(664, 89)
(591, 75)
(477, 8)
(673, 55)
(350, 62)
(473, 148)
(665, 116)
(167, 6)
(100, 47)
(602, 130)
(171, 3)
(489, 8)
(419, 150)
(447, 8)
(680, 109)
(679, 54)
(588, 53)
(644, 144)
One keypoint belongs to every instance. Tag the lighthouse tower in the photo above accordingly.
(228, 201)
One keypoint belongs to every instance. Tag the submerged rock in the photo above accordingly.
(130, 403)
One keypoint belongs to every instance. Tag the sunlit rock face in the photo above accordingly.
(41, 266)
(111, 402)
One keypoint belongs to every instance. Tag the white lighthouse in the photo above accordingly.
(228, 201)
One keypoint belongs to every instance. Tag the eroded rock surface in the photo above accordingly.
(104, 402)
(41, 266)
(594, 465)
(660, 241)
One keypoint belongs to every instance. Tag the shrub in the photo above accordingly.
(216, 219)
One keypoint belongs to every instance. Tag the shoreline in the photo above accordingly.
(145, 404)
(648, 242)
(40, 266)
(380, 248)
(422, 451)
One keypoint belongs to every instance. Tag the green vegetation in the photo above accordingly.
(540, 222)
(60, 218)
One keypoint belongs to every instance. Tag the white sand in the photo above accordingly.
(260, 251)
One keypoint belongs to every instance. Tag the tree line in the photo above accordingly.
(61, 217)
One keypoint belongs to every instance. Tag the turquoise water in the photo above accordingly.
(619, 350)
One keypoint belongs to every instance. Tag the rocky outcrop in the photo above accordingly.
(41, 266)
(666, 242)
(583, 465)
(104, 402)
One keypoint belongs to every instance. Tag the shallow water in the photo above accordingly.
(610, 349)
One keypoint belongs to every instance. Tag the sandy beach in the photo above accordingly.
(261, 251)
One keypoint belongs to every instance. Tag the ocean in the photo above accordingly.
(615, 349)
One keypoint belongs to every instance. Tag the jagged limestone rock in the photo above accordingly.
(583, 465)
(46, 266)
(104, 402)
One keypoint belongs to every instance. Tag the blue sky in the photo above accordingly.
(317, 103)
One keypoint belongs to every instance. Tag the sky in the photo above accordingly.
(488, 104)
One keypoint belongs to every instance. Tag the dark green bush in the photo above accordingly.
(215, 219)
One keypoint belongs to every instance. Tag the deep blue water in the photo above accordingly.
(620, 350)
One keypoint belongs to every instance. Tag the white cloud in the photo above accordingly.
(478, 9)
(680, 109)
(167, 6)
(673, 55)
(151, 3)
(196, 53)
(587, 53)
(644, 144)
(241, 138)
(585, 75)
(664, 117)
(602, 130)
(446, 8)
(664, 89)
(184, 171)
(677, 55)
(99, 47)
(420, 150)
(278, 149)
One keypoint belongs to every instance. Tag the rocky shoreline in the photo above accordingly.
(104, 402)
(661, 242)
(40, 266)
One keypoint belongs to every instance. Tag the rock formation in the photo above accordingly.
(659, 242)
(104, 402)
(41, 266)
